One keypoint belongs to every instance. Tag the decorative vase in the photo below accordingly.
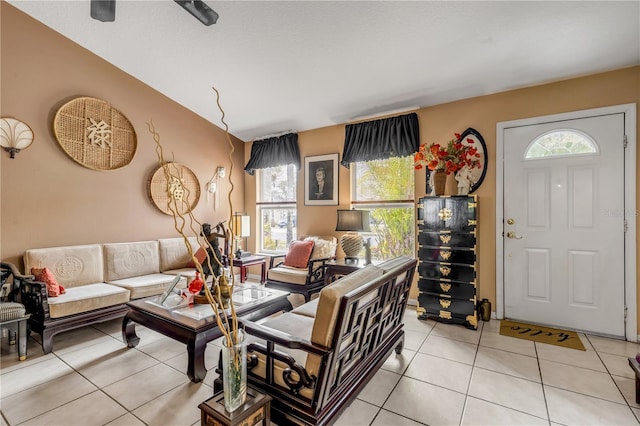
(234, 372)
(439, 181)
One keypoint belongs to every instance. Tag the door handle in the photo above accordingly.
(513, 235)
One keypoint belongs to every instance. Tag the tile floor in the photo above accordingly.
(445, 375)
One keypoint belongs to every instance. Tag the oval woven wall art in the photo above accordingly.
(95, 134)
(184, 189)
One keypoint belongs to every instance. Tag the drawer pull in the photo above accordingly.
(445, 254)
(445, 214)
(445, 303)
(445, 314)
(445, 239)
(445, 270)
(445, 287)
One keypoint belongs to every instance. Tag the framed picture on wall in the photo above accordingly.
(321, 180)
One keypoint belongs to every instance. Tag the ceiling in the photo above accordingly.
(300, 65)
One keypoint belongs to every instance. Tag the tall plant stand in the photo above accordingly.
(255, 411)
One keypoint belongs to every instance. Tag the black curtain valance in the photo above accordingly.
(380, 139)
(272, 152)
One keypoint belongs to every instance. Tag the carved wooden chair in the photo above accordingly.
(302, 269)
(13, 315)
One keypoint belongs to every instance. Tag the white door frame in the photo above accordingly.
(629, 201)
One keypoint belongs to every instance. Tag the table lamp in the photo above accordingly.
(242, 229)
(352, 221)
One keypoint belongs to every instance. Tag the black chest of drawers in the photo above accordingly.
(447, 255)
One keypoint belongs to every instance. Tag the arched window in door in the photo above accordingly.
(561, 143)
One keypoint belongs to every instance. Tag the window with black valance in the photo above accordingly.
(275, 151)
(380, 139)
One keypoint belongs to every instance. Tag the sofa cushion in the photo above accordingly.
(46, 276)
(288, 274)
(127, 260)
(329, 302)
(148, 285)
(323, 247)
(188, 273)
(298, 254)
(87, 298)
(174, 253)
(296, 325)
(309, 309)
(72, 266)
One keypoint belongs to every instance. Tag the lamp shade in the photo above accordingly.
(242, 225)
(353, 220)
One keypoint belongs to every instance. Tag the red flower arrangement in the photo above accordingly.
(451, 158)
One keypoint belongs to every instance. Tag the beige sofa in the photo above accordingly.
(99, 280)
(314, 360)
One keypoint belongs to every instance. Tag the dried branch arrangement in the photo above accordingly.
(185, 223)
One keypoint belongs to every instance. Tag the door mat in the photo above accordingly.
(551, 336)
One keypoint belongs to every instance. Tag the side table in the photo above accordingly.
(339, 268)
(255, 411)
(244, 262)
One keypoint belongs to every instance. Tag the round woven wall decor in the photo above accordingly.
(185, 189)
(95, 134)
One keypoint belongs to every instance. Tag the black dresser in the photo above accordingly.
(447, 259)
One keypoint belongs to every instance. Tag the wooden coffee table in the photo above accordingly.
(196, 326)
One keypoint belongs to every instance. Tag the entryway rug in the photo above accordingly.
(552, 336)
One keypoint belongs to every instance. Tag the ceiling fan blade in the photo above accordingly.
(103, 10)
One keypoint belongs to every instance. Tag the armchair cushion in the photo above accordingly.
(298, 254)
(288, 274)
(323, 247)
(297, 326)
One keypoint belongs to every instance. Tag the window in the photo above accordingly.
(386, 189)
(561, 143)
(277, 207)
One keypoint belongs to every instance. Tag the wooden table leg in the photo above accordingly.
(129, 332)
(196, 370)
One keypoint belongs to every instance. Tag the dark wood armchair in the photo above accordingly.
(307, 279)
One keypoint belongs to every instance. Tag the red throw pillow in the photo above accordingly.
(200, 255)
(298, 254)
(47, 277)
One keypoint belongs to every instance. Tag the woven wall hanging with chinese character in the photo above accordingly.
(184, 189)
(95, 134)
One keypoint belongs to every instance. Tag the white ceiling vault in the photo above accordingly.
(300, 65)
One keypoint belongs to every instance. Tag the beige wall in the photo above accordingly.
(438, 123)
(49, 200)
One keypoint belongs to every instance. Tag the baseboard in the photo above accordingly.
(412, 302)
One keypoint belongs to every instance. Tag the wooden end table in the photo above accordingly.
(244, 262)
(339, 268)
(256, 410)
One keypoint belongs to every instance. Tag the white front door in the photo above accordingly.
(564, 230)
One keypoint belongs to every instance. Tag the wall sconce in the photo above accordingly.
(352, 221)
(241, 229)
(214, 183)
(14, 135)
